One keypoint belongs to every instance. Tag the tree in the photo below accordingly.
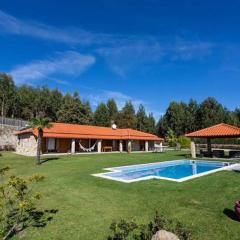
(142, 120)
(126, 117)
(87, 115)
(40, 123)
(17, 203)
(162, 126)
(176, 117)
(171, 138)
(151, 124)
(101, 115)
(7, 94)
(237, 116)
(56, 100)
(210, 112)
(74, 111)
(191, 111)
(26, 108)
(112, 110)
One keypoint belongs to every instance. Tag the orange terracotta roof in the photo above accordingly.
(219, 130)
(64, 130)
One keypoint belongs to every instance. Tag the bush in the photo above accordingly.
(184, 142)
(17, 203)
(125, 230)
(171, 138)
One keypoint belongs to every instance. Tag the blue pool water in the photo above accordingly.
(170, 170)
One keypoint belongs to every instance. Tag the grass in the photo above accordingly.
(87, 205)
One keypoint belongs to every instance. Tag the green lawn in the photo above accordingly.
(87, 205)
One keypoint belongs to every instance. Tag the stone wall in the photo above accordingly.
(8, 139)
(26, 145)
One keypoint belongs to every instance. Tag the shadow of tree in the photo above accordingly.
(231, 214)
(34, 218)
(49, 159)
(41, 218)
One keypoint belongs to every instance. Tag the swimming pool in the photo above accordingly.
(177, 170)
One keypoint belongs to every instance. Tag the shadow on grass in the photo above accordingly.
(48, 159)
(231, 214)
(41, 218)
(186, 155)
(32, 218)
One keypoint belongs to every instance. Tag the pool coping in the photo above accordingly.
(115, 169)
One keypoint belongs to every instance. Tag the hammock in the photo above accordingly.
(87, 149)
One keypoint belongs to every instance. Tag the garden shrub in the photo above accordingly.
(184, 142)
(125, 230)
(17, 204)
(171, 138)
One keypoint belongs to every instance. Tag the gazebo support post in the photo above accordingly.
(209, 147)
(193, 148)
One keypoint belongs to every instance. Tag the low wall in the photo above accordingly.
(8, 139)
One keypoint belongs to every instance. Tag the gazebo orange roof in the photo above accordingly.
(216, 131)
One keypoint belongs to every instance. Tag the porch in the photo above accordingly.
(80, 146)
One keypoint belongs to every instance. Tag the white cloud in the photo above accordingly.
(123, 53)
(187, 50)
(130, 53)
(69, 63)
(70, 35)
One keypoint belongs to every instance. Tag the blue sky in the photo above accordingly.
(149, 52)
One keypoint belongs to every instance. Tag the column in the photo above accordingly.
(146, 146)
(120, 146)
(129, 146)
(161, 147)
(209, 147)
(99, 146)
(73, 146)
(193, 149)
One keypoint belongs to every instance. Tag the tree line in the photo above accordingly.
(26, 102)
(183, 117)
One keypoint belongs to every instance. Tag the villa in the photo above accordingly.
(74, 138)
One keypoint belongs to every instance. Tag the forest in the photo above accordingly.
(26, 102)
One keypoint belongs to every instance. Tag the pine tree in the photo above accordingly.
(72, 110)
(112, 110)
(151, 124)
(127, 117)
(101, 115)
(142, 120)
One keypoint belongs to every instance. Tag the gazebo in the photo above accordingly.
(221, 130)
